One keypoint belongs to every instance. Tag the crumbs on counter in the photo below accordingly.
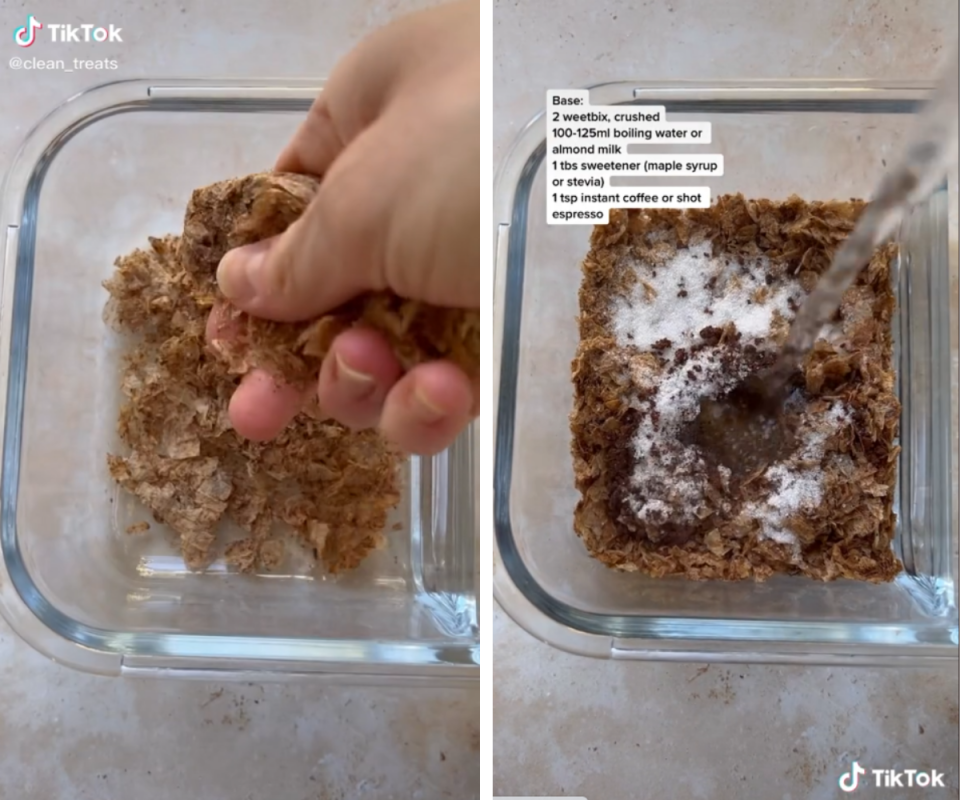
(138, 527)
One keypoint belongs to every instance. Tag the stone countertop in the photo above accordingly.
(566, 725)
(69, 735)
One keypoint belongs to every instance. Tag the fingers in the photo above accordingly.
(261, 407)
(367, 78)
(355, 378)
(422, 412)
(351, 100)
(334, 251)
(317, 141)
(361, 385)
(409, 229)
(428, 408)
(221, 327)
(396, 138)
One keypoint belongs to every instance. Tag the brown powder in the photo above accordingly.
(657, 505)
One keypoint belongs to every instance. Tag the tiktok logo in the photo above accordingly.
(849, 781)
(26, 35)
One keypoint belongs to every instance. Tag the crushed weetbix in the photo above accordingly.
(679, 307)
(331, 486)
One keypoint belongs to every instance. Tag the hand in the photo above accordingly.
(395, 136)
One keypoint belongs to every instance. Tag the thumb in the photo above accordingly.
(329, 255)
(278, 279)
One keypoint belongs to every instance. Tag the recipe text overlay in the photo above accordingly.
(587, 146)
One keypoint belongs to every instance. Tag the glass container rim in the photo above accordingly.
(29, 614)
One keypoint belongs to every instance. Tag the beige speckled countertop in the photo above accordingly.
(577, 727)
(69, 736)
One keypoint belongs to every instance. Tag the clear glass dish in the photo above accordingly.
(97, 176)
(820, 140)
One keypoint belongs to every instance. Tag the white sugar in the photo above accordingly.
(795, 490)
(798, 485)
(677, 300)
(661, 475)
(648, 510)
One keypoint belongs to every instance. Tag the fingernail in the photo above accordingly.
(358, 384)
(424, 410)
(233, 274)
